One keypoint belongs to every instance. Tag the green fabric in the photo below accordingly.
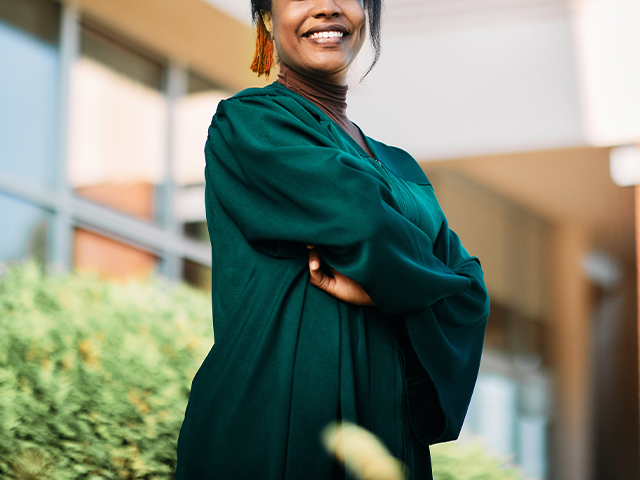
(290, 358)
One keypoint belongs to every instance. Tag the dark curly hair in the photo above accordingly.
(374, 13)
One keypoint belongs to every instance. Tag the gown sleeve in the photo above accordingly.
(447, 338)
(284, 182)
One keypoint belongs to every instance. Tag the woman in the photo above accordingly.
(339, 291)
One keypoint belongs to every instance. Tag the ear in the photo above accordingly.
(268, 21)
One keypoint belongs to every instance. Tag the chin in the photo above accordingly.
(327, 67)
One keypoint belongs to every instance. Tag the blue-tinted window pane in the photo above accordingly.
(23, 230)
(118, 121)
(28, 109)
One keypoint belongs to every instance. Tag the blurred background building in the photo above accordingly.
(512, 107)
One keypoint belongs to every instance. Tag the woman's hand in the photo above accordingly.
(338, 285)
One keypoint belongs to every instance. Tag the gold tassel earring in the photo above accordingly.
(263, 56)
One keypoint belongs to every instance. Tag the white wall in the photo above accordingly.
(239, 9)
(469, 77)
(466, 91)
(608, 53)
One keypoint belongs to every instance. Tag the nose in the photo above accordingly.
(327, 9)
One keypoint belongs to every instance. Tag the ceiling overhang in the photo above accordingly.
(563, 186)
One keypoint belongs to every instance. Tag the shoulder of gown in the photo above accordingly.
(277, 146)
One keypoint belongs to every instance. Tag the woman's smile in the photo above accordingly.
(327, 35)
(319, 38)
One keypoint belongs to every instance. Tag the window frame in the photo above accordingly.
(69, 211)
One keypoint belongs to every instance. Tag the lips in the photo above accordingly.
(319, 31)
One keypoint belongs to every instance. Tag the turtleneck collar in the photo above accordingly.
(330, 98)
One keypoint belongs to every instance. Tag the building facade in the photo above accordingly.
(101, 165)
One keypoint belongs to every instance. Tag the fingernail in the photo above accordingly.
(315, 264)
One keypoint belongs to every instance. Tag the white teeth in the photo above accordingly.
(326, 35)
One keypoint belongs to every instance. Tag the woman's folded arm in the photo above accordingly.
(282, 179)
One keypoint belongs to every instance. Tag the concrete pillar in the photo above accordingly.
(637, 191)
(571, 292)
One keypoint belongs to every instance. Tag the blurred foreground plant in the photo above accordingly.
(95, 376)
(469, 461)
(365, 457)
(361, 453)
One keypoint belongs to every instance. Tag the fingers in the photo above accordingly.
(314, 261)
(318, 278)
(335, 283)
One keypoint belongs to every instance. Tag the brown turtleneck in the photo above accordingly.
(330, 98)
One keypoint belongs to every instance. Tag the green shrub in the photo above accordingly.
(456, 461)
(94, 376)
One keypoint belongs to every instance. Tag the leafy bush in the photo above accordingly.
(456, 461)
(94, 377)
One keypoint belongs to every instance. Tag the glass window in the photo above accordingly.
(190, 211)
(24, 230)
(40, 18)
(512, 416)
(199, 84)
(193, 116)
(516, 335)
(196, 231)
(192, 119)
(196, 274)
(129, 60)
(109, 258)
(28, 91)
(117, 135)
(509, 408)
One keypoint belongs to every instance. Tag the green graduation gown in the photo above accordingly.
(289, 358)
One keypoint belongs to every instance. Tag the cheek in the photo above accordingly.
(362, 32)
(282, 39)
(360, 20)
